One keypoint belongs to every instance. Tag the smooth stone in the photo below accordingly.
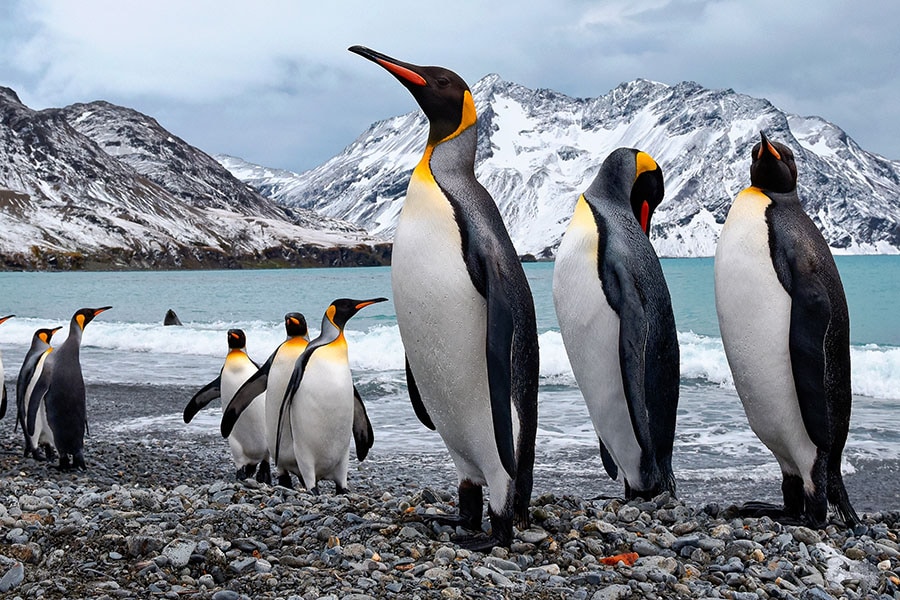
(12, 578)
(616, 591)
(179, 551)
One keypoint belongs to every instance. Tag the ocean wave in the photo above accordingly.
(875, 369)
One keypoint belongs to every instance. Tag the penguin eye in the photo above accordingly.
(442, 82)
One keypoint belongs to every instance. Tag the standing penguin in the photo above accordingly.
(465, 311)
(29, 374)
(786, 332)
(248, 441)
(2, 375)
(60, 390)
(272, 379)
(615, 317)
(319, 401)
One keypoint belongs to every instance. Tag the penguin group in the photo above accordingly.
(300, 407)
(467, 323)
(50, 395)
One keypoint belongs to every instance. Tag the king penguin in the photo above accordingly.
(465, 312)
(248, 441)
(29, 374)
(786, 331)
(60, 390)
(615, 317)
(2, 375)
(272, 379)
(319, 401)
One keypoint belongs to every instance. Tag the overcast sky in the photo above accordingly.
(272, 82)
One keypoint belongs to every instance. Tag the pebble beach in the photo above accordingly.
(159, 514)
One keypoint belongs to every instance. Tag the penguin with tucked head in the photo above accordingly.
(465, 311)
(2, 375)
(37, 446)
(786, 331)
(60, 390)
(249, 447)
(616, 320)
(319, 401)
(271, 379)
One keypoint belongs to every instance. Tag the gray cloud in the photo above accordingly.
(273, 83)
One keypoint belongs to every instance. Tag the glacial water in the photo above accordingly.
(129, 345)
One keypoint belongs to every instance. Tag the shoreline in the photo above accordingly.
(160, 515)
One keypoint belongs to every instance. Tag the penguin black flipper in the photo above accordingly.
(640, 375)
(207, 394)
(811, 316)
(363, 435)
(247, 393)
(3, 401)
(500, 326)
(416, 399)
(608, 463)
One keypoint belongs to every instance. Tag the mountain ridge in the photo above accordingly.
(539, 149)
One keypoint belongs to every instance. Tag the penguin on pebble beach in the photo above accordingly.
(37, 446)
(465, 312)
(616, 320)
(786, 330)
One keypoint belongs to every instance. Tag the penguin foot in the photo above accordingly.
(757, 510)
(241, 474)
(284, 480)
(341, 490)
(478, 543)
(470, 522)
(49, 452)
(314, 490)
(264, 474)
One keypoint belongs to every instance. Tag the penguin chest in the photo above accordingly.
(322, 408)
(590, 330)
(754, 313)
(442, 322)
(42, 432)
(280, 372)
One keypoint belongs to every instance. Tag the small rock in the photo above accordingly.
(533, 535)
(179, 551)
(226, 595)
(806, 535)
(12, 578)
(612, 592)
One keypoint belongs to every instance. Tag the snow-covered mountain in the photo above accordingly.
(539, 149)
(99, 185)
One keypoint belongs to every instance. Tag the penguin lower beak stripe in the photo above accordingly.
(366, 303)
(645, 217)
(402, 72)
(772, 149)
(97, 311)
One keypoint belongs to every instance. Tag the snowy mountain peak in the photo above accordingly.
(539, 149)
(100, 185)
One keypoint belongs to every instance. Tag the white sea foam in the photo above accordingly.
(875, 369)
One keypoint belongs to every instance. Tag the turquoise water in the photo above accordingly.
(128, 344)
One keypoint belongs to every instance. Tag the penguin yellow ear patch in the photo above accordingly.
(644, 162)
(80, 320)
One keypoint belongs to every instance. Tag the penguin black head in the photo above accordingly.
(46, 334)
(85, 315)
(442, 94)
(342, 309)
(631, 175)
(236, 339)
(4, 319)
(295, 324)
(773, 167)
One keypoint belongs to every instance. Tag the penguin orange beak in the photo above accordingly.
(6, 318)
(97, 311)
(364, 303)
(766, 145)
(405, 72)
(233, 335)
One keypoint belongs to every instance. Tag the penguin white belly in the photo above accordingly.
(322, 418)
(442, 321)
(590, 332)
(42, 432)
(248, 440)
(279, 376)
(754, 319)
